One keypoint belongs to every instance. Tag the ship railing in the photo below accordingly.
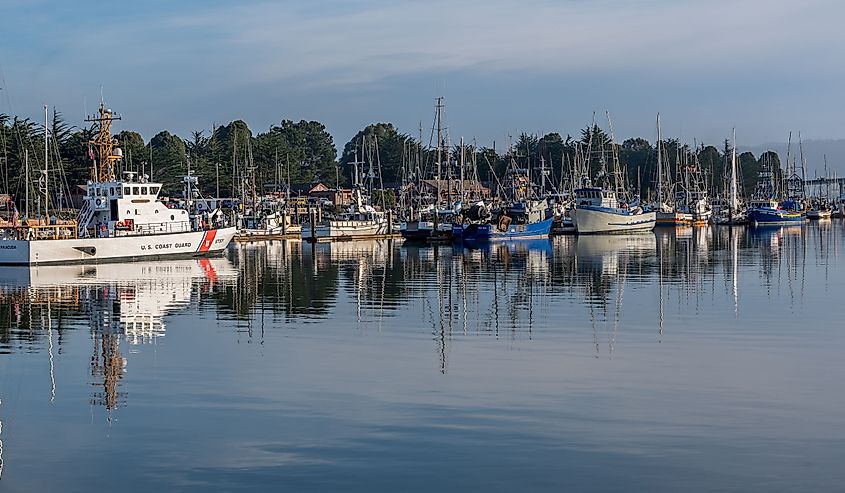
(145, 229)
(62, 231)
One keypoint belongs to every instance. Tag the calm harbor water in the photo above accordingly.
(686, 360)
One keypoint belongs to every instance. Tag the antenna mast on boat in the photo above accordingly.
(784, 173)
(26, 185)
(107, 153)
(659, 167)
(46, 168)
(438, 117)
(733, 192)
(618, 180)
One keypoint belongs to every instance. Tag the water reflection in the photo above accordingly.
(705, 334)
(118, 303)
(500, 289)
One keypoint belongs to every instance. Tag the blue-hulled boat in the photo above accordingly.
(763, 208)
(768, 211)
(504, 230)
(526, 220)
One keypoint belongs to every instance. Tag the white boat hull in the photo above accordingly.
(66, 251)
(814, 214)
(588, 221)
(340, 230)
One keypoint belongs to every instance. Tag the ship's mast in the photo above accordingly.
(46, 161)
(734, 203)
(107, 153)
(659, 167)
(26, 179)
(438, 117)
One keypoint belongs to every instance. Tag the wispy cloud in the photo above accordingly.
(702, 58)
(371, 40)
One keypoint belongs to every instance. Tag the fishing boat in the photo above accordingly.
(434, 217)
(664, 213)
(819, 214)
(602, 209)
(768, 211)
(360, 221)
(267, 225)
(518, 222)
(819, 209)
(120, 219)
(731, 212)
(598, 210)
(764, 208)
(431, 224)
(691, 205)
(524, 215)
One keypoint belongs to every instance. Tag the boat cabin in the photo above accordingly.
(128, 207)
(763, 204)
(597, 197)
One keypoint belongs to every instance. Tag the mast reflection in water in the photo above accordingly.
(643, 362)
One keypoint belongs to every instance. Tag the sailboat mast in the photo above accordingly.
(803, 167)
(784, 175)
(659, 166)
(733, 198)
(46, 169)
(463, 162)
(438, 114)
(26, 185)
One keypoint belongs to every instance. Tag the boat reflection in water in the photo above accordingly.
(118, 302)
(604, 265)
(378, 356)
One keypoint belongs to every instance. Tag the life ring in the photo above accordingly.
(99, 202)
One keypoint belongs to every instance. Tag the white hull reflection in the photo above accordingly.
(145, 292)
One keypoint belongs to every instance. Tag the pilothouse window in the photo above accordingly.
(143, 190)
(154, 190)
(134, 190)
(126, 191)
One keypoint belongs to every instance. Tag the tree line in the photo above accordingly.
(228, 156)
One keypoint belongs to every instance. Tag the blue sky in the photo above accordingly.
(766, 67)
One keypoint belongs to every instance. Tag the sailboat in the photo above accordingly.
(119, 219)
(733, 213)
(691, 198)
(665, 213)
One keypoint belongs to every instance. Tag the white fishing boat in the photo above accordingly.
(119, 219)
(361, 221)
(608, 207)
(819, 213)
(269, 225)
(599, 211)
